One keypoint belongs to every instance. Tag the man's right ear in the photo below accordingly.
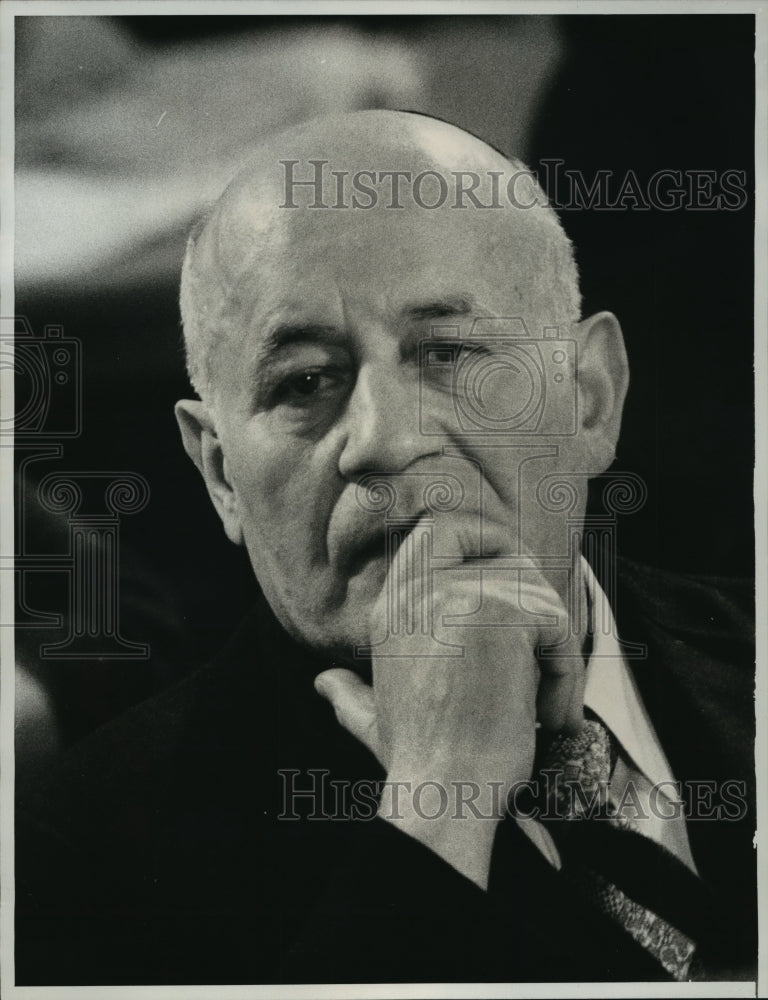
(202, 444)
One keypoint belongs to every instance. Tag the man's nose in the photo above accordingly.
(381, 423)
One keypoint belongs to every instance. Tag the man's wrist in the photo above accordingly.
(456, 820)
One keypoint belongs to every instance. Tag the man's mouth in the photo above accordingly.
(382, 544)
(375, 548)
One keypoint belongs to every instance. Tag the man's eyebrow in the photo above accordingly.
(287, 334)
(454, 305)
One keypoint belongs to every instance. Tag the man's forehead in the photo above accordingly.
(378, 285)
(384, 257)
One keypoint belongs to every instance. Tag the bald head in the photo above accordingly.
(357, 180)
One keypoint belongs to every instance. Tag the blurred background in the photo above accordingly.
(127, 126)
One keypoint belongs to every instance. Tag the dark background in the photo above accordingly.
(631, 92)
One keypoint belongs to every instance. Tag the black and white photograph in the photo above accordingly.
(384, 499)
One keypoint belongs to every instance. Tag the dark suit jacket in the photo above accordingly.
(157, 852)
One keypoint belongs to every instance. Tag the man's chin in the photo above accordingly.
(338, 629)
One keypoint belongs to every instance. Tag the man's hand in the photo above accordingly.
(462, 723)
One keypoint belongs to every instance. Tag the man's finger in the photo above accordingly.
(560, 698)
(353, 702)
(575, 718)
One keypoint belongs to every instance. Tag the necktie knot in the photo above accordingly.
(576, 772)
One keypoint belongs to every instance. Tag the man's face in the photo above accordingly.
(325, 386)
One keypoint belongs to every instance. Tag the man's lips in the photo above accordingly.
(376, 543)
(374, 548)
(370, 516)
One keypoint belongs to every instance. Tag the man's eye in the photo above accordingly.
(453, 352)
(442, 361)
(306, 387)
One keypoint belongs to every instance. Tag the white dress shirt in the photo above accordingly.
(612, 694)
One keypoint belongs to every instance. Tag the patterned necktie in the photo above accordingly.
(576, 773)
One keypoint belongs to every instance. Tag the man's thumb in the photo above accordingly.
(353, 702)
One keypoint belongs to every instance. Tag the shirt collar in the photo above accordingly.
(611, 691)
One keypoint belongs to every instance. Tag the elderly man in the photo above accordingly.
(399, 411)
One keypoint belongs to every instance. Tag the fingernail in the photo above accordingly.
(320, 685)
